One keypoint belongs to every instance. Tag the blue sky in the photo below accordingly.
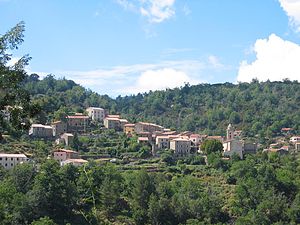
(121, 47)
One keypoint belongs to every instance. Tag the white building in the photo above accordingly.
(112, 123)
(232, 147)
(181, 146)
(65, 139)
(8, 161)
(40, 130)
(162, 142)
(96, 114)
(295, 139)
(195, 138)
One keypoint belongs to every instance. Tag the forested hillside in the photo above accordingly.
(257, 108)
(58, 97)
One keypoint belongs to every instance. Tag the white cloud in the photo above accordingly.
(276, 59)
(127, 5)
(160, 80)
(292, 9)
(186, 10)
(156, 11)
(130, 79)
(215, 62)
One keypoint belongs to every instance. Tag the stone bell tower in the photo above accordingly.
(230, 132)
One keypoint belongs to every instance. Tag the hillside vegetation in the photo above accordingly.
(258, 108)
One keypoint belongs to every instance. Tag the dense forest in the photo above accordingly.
(260, 109)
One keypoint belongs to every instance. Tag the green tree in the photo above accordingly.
(52, 194)
(142, 190)
(211, 146)
(13, 97)
(43, 221)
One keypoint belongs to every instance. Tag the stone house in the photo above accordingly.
(77, 123)
(95, 113)
(9, 161)
(41, 131)
(180, 146)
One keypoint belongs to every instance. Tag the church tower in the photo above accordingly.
(230, 132)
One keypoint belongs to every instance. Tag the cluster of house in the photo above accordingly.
(155, 135)
(63, 131)
(63, 156)
(185, 143)
(280, 146)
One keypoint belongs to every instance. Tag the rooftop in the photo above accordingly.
(41, 126)
(143, 139)
(13, 155)
(287, 129)
(129, 125)
(195, 135)
(162, 137)
(95, 108)
(112, 118)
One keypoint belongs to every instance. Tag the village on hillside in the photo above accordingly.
(158, 138)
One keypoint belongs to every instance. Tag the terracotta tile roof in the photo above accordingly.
(143, 139)
(287, 129)
(162, 137)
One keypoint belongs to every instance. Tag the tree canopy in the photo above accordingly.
(14, 99)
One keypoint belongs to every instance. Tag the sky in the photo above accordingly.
(123, 47)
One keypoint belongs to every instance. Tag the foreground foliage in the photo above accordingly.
(259, 190)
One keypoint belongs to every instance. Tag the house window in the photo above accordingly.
(17, 159)
(5, 159)
(11, 164)
(11, 159)
(1, 159)
(5, 164)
